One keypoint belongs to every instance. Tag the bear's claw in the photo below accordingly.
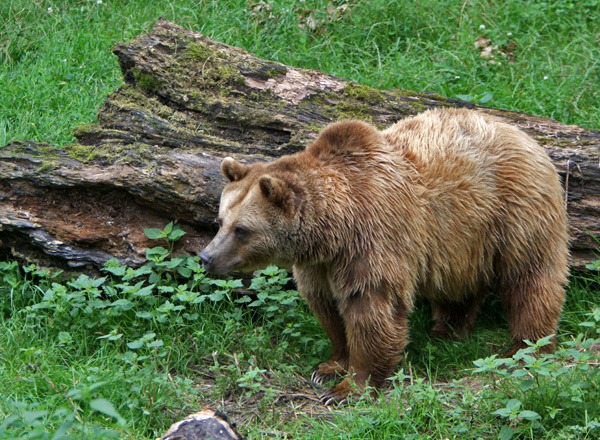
(330, 397)
(320, 378)
(316, 378)
(337, 394)
(328, 371)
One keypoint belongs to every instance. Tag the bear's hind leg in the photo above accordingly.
(533, 303)
(455, 320)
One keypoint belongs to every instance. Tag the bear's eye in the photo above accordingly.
(219, 221)
(240, 231)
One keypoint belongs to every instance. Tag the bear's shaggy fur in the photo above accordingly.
(447, 205)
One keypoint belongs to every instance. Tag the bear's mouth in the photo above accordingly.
(215, 265)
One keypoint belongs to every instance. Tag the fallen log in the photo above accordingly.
(187, 102)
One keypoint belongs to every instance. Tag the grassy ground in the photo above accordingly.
(56, 65)
(113, 358)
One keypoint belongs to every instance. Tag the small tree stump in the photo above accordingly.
(203, 425)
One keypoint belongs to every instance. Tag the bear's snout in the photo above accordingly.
(218, 258)
(206, 259)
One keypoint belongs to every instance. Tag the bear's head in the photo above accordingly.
(276, 213)
(257, 218)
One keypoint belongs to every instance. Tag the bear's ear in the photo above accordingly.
(233, 170)
(346, 136)
(274, 189)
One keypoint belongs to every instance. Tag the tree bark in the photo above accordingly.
(187, 102)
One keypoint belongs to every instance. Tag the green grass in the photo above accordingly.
(56, 65)
(126, 354)
(114, 359)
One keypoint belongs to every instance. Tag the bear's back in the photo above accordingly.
(453, 142)
(486, 187)
(462, 152)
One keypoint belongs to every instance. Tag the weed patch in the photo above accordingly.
(152, 324)
(127, 353)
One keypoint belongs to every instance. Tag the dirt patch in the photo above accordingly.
(73, 221)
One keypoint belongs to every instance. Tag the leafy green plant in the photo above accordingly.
(544, 392)
(161, 259)
(119, 312)
(136, 314)
(20, 285)
(42, 421)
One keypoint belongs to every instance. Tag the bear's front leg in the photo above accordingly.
(376, 333)
(314, 287)
(337, 365)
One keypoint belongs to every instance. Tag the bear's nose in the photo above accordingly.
(206, 258)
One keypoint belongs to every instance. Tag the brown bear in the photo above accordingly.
(446, 205)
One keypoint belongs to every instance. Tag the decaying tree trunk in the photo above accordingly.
(188, 101)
